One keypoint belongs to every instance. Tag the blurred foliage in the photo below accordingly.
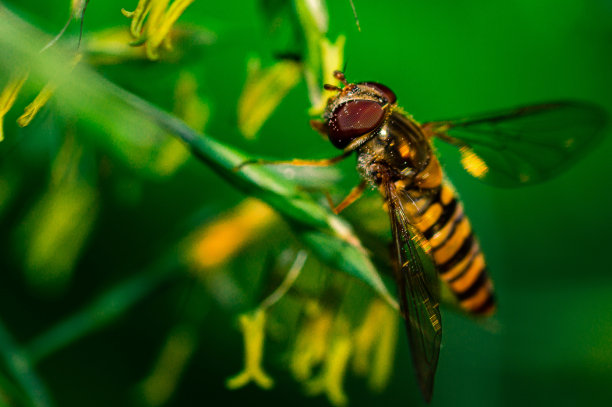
(263, 92)
(129, 270)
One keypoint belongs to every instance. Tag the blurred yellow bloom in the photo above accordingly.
(9, 95)
(252, 326)
(263, 92)
(42, 98)
(33, 108)
(311, 342)
(111, 46)
(187, 103)
(12, 89)
(115, 45)
(375, 342)
(159, 386)
(195, 112)
(56, 228)
(218, 241)
(152, 21)
(327, 339)
(329, 381)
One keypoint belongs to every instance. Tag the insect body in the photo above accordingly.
(398, 158)
(433, 240)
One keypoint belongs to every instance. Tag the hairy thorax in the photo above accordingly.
(400, 152)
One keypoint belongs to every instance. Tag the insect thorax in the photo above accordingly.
(398, 148)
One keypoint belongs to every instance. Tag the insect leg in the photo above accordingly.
(320, 126)
(296, 162)
(354, 195)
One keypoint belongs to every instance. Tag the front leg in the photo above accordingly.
(354, 195)
(349, 199)
(325, 162)
(321, 127)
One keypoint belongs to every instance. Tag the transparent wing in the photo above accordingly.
(418, 287)
(524, 145)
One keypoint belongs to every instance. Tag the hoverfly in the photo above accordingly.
(432, 238)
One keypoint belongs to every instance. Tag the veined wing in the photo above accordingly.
(418, 288)
(524, 145)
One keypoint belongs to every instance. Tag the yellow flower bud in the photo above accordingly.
(33, 108)
(253, 331)
(330, 379)
(375, 342)
(152, 21)
(9, 95)
(311, 342)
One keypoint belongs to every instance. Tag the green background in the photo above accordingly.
(547, 245)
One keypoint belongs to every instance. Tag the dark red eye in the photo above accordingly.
(386, 92)
(353, 119)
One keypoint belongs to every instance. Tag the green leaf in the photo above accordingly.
(93, 99)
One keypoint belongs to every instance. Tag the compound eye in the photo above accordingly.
(353, 119)
(386, 92)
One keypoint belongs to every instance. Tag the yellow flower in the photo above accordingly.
(42, 98)
(375, 342)
(33, 108)
(311, 342)
(9, 95)
(332, 54)
(263, 92)
(195, 112)
(219, 241)
(329, 380)
(159, 21)
(253, 331)
(12, 89)
(159, 386)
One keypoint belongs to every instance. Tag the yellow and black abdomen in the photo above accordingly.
(455, 251)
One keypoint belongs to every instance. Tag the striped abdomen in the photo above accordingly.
(455, 249)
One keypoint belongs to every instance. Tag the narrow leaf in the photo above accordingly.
(95, 99)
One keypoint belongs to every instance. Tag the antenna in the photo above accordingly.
(355, 14)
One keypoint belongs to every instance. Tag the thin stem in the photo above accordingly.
(101, 311)
(21, 369)
(290, 278)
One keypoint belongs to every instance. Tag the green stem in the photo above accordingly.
(103, 310)
(21, 369)
(11, 392)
